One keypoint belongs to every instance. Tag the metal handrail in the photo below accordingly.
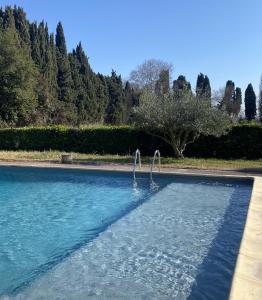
(157, 153)
(137, 155)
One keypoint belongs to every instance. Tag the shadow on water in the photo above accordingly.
(214, 276)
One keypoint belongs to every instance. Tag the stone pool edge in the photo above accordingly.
(247, 277)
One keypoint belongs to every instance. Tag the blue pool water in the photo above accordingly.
(178, 241)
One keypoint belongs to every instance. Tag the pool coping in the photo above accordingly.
(247, 277)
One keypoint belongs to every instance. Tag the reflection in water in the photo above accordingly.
(153, 186)
(136, 190)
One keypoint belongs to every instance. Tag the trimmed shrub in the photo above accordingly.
(243, 141)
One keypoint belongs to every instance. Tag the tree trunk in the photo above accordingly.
(177, 152)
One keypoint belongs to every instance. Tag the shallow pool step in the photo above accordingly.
(154, 252)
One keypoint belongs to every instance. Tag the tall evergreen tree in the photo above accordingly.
(181, 85)
(237, 102)
(88, 88)
(131, 97)
(35, 44)
(203, 88)
(229, 96)
(200, 84)
(79, 91)
(64, 79)
(1, 19)
(52, 66)
(43, 52)
(22, 25)
(115, 108)
(8, 18)
(260, 101)
(102, 97)
(162, 84)
(18, 99)
(250, 103)
(65, 111)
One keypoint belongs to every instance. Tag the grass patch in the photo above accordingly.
(119, 159)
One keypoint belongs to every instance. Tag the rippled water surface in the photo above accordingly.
(175, 242)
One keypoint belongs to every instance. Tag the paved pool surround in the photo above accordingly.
(247, 279)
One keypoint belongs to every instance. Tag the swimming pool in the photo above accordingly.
(78, 234)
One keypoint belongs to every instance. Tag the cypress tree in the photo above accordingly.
(237, 102)
(203, 88)
(102, 97)
(229, 96)
(64, 79)
(260, 101)
(21, 24)
(8, 18)
(79, 91)
(115, 108)
(18, 75)
(207, 89)
(91, 91)
(250, 103)
(181, 85)
(85, 82)
(200, 84)
(65, 110)
(43, 52)
(131, 97)
(52, 66)
(162, 84)
(43, 48)
(1, 19)
(35, 44)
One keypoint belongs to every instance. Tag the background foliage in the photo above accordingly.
(243, 141)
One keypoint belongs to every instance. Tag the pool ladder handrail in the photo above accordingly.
(157, 153)
(137, 155)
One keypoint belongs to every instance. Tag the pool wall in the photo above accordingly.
(247, 278)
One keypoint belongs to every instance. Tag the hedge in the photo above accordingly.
(243, 141)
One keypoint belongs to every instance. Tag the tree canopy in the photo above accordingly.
(18, 97)
(44, 84)
(179, 120)
(41, 83)
(147, 74)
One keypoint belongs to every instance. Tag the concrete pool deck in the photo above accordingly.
(247, 279)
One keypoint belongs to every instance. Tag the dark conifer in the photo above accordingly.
(64, 79)
(237, 102)
(250, 103)
(115, 108)
(260, 101)
(229, 96)
(131, 97)
(162, 84)
(22, 25)
(203, 88)
(181, 85)
(18, 99)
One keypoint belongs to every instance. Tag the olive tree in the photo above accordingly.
(179, 120)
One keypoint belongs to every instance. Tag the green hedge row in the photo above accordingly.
(102, 140)
(243, 141)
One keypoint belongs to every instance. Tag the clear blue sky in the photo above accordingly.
(220, 38)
